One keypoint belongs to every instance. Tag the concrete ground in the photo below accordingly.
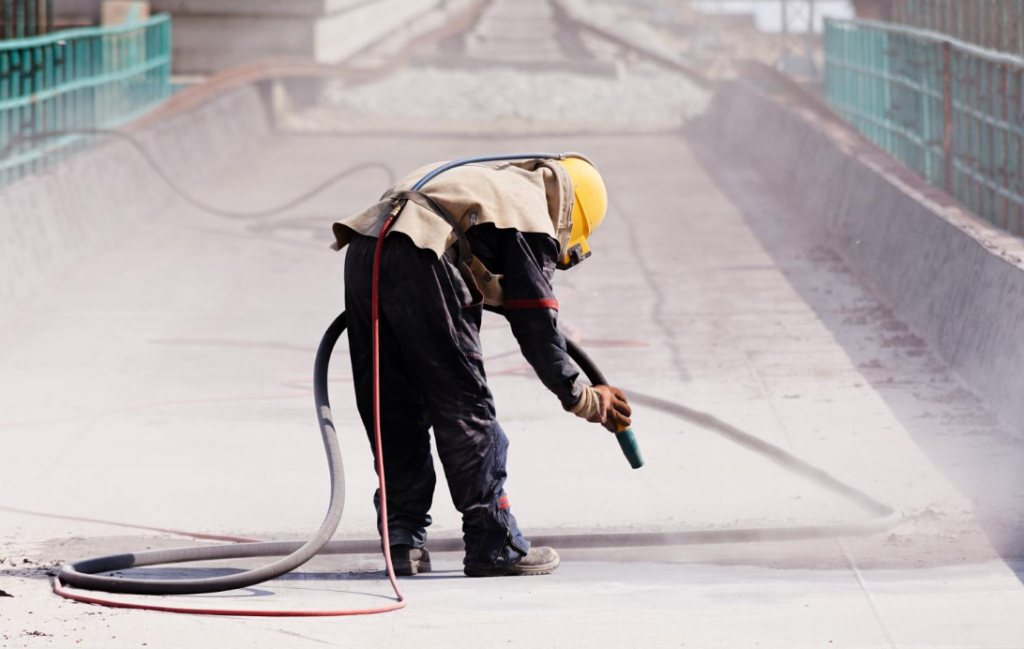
(166, 384)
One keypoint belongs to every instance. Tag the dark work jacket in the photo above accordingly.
(526, 260)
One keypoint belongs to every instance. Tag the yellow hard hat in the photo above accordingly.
(589, 208)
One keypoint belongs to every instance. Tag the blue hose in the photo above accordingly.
(496, 158)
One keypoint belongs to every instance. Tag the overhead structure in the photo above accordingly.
(215, 35)
(796, 56)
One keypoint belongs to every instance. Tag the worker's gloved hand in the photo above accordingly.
(604, 405)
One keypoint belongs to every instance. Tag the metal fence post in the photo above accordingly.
(784, 55)
(947, 115)
(965, 105)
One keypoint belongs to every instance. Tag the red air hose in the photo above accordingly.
(375, 315)
(84, 573)
(67, 593)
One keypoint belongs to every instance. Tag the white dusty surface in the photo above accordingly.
(166, 383)
(521, 68)
(639, 99)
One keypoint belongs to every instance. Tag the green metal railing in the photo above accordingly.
(21, 18)
(950, 110)
(78, 79)
(995, 24)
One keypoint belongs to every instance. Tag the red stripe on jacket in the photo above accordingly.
(531, 304)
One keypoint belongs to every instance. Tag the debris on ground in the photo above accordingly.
(541, 73)
(648, 99)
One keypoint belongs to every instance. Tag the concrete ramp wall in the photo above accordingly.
(214, 35)
(52, 221)
(957, 281)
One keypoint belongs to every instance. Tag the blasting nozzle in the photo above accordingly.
(630, 448)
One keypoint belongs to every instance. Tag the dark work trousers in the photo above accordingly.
(431, 376)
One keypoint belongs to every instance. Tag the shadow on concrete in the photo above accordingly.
(37, 572)
(955, 430)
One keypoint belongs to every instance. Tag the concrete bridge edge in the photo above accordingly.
(956, 280)
(54, 220)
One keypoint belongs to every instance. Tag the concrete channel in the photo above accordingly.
(155, 364)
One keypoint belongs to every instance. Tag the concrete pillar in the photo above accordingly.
(211, 35)
(89, 9)
(873, 9)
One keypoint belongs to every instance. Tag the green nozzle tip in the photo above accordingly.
(627, 441)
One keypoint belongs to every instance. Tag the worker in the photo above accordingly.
(475, 235)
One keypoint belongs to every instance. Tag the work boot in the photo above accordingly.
(538, 561)
(408, 561)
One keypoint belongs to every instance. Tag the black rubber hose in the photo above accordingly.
(151, 160)
(79, 574)
(783, 458)
(82, 574)
(585, 362)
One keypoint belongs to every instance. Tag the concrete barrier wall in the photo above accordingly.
(52, 221)
(214, 35)
(954, 279)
